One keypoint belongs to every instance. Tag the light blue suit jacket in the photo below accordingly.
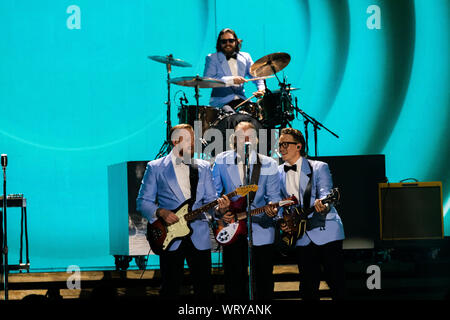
(321, 187)
(226, 179)
(216, 66)
(160, 189)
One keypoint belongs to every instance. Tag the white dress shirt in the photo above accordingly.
(293, 179)
(182, 174)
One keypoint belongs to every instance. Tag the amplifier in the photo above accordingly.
(411, 211)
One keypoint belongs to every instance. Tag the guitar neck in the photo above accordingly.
(193, 214)
(243, 215)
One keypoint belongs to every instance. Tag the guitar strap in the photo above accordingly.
(307, 193)
(255, 177)
(193, 179)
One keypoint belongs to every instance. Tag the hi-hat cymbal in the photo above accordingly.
(170, 60)
(200, 82)
(270, 64)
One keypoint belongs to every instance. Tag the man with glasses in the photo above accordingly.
(231, 65)
(311, 181)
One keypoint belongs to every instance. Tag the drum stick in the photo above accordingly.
(260, 78)
(240, 104)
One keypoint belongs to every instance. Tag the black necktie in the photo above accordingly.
(287, 168)
(234, 55)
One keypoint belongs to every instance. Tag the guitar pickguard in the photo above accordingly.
(179, 229)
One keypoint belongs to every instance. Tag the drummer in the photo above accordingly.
(231, 65)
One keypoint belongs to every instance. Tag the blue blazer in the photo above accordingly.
(321, 186)
(226, 179)
(160, 189)
(216, 66)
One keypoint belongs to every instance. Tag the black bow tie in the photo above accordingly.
(287, 168)
(234, 55)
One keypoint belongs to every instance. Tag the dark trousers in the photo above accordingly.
(310, 258)
(235, 263)
(172, 271)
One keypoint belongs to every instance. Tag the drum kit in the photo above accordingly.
(275, 110)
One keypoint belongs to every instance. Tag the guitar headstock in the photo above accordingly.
(291, 201)
(333, 197)
(244, 190)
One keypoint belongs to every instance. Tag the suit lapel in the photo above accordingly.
(240, 64)
(232, 170)
(304, 179)
(224, 64)
(169, 173)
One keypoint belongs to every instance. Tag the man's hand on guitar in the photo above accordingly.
(284, 227)
(320, 207)
(224, 204)
(228, 217)
(168, 216)
(271, 211)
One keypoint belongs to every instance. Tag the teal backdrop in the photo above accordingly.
(78, 93)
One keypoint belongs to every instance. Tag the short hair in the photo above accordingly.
(298, 137)
(179, 127)
(221, 33)
(233, 138)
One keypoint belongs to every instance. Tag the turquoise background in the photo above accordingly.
(73, 101)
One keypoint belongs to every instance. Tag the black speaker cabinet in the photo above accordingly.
(411, 211)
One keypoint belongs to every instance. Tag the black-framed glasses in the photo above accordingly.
(224, 41)
(285, 144)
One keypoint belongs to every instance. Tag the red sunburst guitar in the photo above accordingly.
(160, 235)
(227, 233)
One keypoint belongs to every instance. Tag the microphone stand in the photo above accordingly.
(316, 125)
(249, 224)
(4, 161)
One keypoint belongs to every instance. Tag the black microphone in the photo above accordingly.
(185, 99)
(4, 160)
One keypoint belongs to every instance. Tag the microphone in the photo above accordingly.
(278, 153)
(4, 160)
(185, 99)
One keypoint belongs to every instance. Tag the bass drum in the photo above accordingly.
(207, 115)
(230, 121)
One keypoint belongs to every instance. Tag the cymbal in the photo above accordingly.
(200, 82)
(170, 60)
(270, 64)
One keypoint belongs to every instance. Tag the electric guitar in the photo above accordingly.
(160, 235)
(296, 218)
(227, 233)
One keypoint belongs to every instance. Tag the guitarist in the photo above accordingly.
(322, 241)
(167, 183)
(228, 173)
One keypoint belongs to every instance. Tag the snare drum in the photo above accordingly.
(206, 114)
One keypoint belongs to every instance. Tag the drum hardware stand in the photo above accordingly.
(168, 60)
(166, 146)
